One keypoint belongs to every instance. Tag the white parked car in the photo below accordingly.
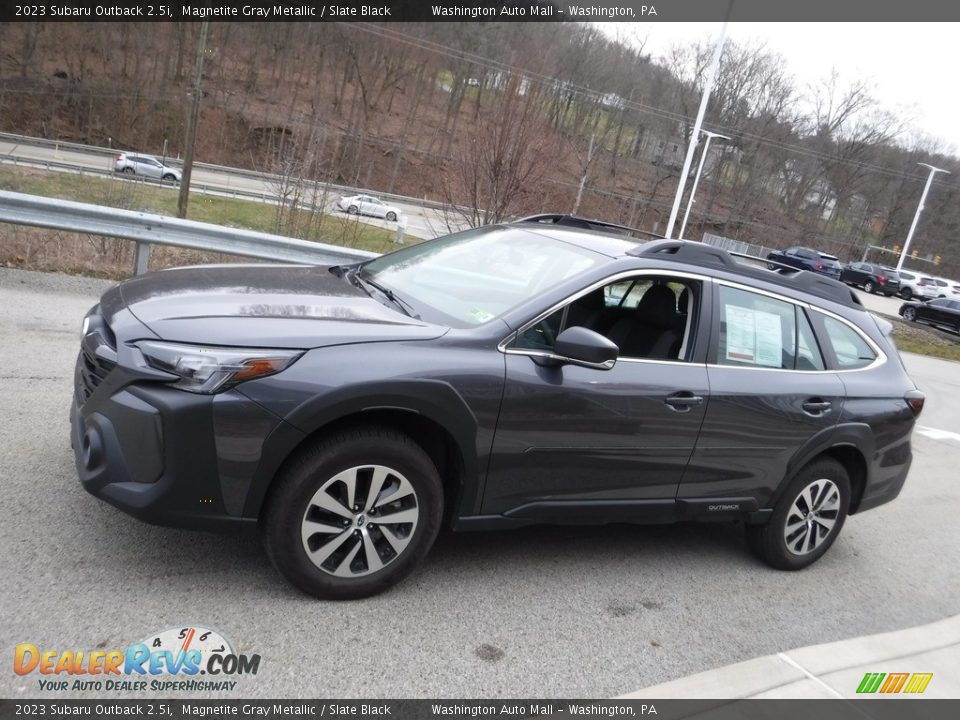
(914, 285)
(145, 165)
(943, 286)
(368, 205)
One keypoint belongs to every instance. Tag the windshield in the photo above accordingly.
(477, 275)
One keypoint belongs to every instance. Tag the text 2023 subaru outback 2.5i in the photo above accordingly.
(540, 372)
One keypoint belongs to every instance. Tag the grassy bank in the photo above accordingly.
(148, 197)
(925, 340)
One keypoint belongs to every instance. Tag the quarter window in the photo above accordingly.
(850, 349)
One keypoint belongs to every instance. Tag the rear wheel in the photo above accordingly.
(910, 314)
(869, 287)
(906, 293)
(806, 520)
(354, 514)
(128, 170)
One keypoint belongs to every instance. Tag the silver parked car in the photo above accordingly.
(368, 205)
(146, 166)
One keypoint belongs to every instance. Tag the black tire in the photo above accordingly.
(170, 177)
(910, 314)
(392, 216)
(769, 541)
(353, 210)
(906, 293)
(294, 491)
(868, 287)
(129, 171)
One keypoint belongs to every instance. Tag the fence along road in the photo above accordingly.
(147, 229)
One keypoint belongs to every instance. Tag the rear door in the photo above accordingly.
(770, 394)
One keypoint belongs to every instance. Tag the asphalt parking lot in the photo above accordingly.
(540, 612)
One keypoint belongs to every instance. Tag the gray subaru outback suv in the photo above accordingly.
(552, 370)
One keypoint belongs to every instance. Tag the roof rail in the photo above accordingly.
(697, 253)
(581, 223)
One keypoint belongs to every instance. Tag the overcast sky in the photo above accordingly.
(913, 67)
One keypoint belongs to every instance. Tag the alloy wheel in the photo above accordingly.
(360, 520)
(909, 314)
(812, 517)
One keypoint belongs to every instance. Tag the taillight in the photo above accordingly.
(819, 266)
(915, 399)
(881, 279)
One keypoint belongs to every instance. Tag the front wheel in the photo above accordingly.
(354, 514)
(868, 287)
(910, 314)
(807, 518)
(171, 178)
(906, 293)
(353, 210)
(392, 216)
(128, 171)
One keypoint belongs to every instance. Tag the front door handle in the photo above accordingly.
(682, 401)
(816, 406)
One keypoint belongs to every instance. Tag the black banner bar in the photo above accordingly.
(636, 11)
(875, 709)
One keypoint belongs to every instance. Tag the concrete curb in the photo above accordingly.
(832, 670)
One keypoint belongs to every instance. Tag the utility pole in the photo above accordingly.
(192, 124)
(916, 217)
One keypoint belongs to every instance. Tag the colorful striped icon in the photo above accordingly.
(889, 683)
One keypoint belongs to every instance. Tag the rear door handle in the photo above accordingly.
(817, 406)
(682, 401)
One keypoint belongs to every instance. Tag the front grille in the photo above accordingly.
(92, 367)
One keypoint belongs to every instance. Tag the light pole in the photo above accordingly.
(916, 217)
(695, 134)
(696, 180)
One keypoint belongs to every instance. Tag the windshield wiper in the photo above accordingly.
(389, 294)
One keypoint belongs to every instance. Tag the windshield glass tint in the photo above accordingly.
(475, 276)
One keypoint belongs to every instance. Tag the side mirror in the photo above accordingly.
(586, 347)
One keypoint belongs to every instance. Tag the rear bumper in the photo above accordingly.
(877, 493)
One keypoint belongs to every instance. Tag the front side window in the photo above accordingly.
(647, 317)
(851, 350)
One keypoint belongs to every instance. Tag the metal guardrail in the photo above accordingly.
(146, 229)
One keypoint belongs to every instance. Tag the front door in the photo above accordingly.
(574, 443)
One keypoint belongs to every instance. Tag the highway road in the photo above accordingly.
(423, 222)
(539, 612)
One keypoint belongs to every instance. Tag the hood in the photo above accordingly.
(278, 306)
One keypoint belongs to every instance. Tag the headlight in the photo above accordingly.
(211, 369)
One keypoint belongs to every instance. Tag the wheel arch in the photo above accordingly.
(849, 444)
(435, 418)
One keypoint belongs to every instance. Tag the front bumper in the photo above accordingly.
(163, 455)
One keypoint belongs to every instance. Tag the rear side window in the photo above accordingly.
(850, 349)
(756, 330)
(760, 331)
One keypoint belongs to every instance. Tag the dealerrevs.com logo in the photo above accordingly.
(169, 660)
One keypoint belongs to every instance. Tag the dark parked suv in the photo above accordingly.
(872, 278)
(538, 372)
(803, 258)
